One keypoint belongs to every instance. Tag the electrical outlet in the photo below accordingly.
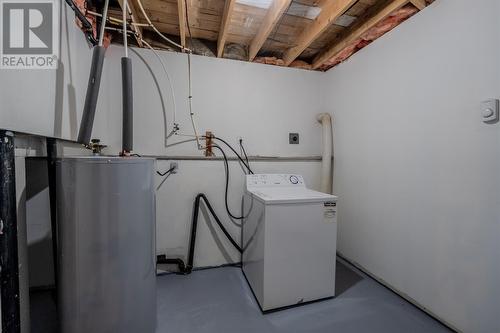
(174, 166)
(293, 138)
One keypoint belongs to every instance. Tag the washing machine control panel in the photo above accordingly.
(274, 180)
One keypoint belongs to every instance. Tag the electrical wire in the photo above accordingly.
(166, 172)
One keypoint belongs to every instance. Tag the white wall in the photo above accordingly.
(49, 102)
(259, 103)
(416, 169)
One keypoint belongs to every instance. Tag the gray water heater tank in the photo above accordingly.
(106, 255)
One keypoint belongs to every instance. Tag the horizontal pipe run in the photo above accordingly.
(234, 158)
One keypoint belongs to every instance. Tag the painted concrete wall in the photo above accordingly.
(261, 104)
(258, 103)
(416, 169)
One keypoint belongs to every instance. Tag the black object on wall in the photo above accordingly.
(9, 274)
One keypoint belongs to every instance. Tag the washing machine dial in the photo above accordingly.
(294, 180)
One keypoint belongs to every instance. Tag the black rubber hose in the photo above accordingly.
(186, 269)
(194, 225)
(226, 190)
(247, 166)
(244, 152)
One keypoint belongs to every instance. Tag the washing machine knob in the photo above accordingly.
(294, 180)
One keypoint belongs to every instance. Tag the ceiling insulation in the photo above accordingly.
(278, 24)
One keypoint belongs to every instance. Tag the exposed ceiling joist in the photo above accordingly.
(272, 17)
(181, 9)
(224, 26)
(377, 14)
(330, 11)
(420, 4)
(134, 15)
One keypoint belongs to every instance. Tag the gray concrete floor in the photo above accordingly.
(219, 300)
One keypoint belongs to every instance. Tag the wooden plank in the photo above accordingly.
(420, 4)
(273, 16)
(181, 9)
(376, 15)
(134, 15)
(224, 26)
(329, 13)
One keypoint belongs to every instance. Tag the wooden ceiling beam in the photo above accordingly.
(420, 4)
(365, 23)
(134, 15)
(181, 9)
(224, 26)
(330, 11)
(272, 17)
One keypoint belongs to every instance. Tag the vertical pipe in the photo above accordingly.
(9, 262)
(94, 83)
(51, 168)
(192, 238)
(326, 165)
(128, 107)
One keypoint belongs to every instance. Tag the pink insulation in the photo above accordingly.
(269, 61)
(81, 4)
(300, 64)
(372, 34)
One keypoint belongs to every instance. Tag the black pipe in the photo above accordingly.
(186, 269)
(9, 274)
(128, 106)
(87, 26)
(92, 94)
(162, 259)
(51, 168)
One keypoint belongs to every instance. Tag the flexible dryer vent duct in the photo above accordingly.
(326, 166)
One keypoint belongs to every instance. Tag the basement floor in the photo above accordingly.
(219, 300)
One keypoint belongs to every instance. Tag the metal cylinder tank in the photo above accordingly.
(106, 251)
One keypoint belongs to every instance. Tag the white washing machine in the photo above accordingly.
(289, 239)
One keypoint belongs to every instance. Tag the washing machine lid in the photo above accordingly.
(279, 195)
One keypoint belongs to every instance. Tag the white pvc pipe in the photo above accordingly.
(125, 36)
(326, 165)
